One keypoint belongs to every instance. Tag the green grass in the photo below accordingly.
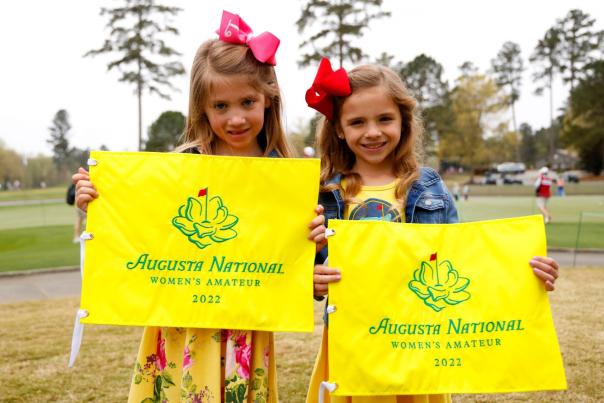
(564, 235)
(561, 232)
(36, 215)
(563, 209)
(38, 247)
(34, 194)
(572, 189)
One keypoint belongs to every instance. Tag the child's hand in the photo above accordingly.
(546, 269)
(324, 275)
(317, 229)
(85, 191)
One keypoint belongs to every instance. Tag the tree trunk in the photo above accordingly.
(514, 118)
(551, 118)
(340, 40)
(515, 132)
(139, 90)
(140, 113)
(602, 170)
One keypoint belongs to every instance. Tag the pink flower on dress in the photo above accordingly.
(161, 360)
(240, 340)
(243, 355)
(187, 360)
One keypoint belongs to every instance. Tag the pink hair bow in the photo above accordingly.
(327, 84)
(234, 30)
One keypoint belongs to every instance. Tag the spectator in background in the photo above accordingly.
(560, 183)
(543, 186)
(456, 191)
(80, 215)
(466, 192)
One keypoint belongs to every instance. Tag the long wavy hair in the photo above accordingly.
(337, 157)
(215, 61)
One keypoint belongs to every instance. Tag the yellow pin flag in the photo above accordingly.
(431, 308)
(186, 240)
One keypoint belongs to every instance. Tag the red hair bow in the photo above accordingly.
(234, 30)
(327, 84)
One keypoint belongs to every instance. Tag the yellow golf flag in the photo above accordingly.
(187, 240)
(430, 308)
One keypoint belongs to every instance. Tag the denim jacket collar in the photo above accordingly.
(428, 192)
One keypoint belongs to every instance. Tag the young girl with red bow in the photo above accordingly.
(369, 142)
(234, 109)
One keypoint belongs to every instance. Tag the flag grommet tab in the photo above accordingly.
(329, 386)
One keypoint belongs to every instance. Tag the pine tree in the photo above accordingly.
(507, 69)
(423, 77)
(59, 132)
(340, 21)
(136, 35)
(579, 41)
(584, 121)
(547, 59)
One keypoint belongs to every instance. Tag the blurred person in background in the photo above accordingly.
(80, 215)
(543, 186)
(560, 183)
(456, 191)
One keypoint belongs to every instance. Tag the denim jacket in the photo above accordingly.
(428, 202)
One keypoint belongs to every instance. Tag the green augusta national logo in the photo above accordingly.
(205, 220)
(439, 285)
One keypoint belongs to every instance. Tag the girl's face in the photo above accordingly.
(235, 111)
(370, 123)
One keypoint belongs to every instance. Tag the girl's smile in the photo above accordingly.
(370, 123)
(375, 146)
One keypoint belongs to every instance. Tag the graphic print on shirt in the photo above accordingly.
(374, 209)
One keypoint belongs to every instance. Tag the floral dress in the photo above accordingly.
(204, 365)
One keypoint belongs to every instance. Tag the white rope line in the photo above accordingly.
(78, 333)
(92, 161)
(85, 236)
(329, 232)
(330, 309)
(78, 327)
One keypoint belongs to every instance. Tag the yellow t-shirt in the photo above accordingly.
(376, 203)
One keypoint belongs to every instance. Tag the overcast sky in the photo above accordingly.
(42, 68)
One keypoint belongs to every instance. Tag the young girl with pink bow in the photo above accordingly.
(234, 109)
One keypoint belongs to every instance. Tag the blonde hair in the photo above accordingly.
(337, 157)
(217, 60)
